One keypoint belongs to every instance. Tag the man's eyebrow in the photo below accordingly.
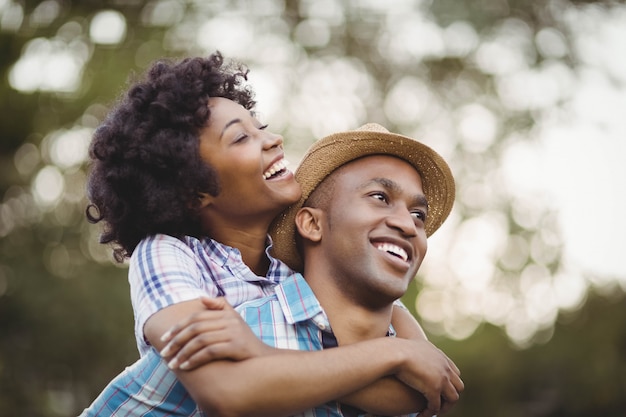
(420, 200)
(392, 186)
(232, 122)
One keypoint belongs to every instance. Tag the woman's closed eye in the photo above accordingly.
(241, 138)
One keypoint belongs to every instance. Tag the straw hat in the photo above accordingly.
(333, 151)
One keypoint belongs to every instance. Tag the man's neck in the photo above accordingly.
(350, 320)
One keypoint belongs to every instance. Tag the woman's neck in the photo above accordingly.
(250, 242)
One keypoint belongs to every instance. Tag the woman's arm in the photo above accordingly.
(288, 382)
(207, 336)
(406, 326)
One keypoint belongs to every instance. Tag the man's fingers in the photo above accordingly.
(451, 394)
(434, 402)
(445, 407)
(458, 384)
(455, 368)
(427, 412)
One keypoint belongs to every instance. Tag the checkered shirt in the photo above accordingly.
(165, 270)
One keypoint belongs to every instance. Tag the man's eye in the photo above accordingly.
(240, 138)
(380, 196)
(419, 215)
(265, 126)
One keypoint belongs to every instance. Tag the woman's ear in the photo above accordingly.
(203, 200)
(308, 223)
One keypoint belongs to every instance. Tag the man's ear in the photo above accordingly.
(308, 222)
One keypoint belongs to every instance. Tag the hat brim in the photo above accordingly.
(334, 151)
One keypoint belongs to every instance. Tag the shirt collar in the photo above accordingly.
(298, 302)
(219, 252)
(278, 269)
(223, 254)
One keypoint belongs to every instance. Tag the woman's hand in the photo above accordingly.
(218, 332)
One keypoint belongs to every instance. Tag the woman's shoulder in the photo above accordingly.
(187, 248)
(164, 241)
(160, 245)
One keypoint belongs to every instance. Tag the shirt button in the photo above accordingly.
(322, 326)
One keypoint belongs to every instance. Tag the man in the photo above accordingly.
(370, 198)
(362, 221)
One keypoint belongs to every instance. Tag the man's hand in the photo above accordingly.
(216, 333)
(429, 371)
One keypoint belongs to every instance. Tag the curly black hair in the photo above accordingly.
(146, 171)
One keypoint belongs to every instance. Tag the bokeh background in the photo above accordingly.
(524, 286)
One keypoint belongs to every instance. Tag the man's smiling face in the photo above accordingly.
(374, 227)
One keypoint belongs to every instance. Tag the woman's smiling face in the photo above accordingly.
(249, 161)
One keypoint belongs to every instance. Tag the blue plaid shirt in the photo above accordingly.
(165, 270)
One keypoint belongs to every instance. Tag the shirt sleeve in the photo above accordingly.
(400, 304)
(163, 271)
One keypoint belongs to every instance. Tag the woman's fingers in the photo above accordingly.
(211, 303)
(206, 322)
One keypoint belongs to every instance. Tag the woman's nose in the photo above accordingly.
(273, 140)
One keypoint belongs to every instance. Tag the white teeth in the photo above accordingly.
(394, 249)
(278, 166)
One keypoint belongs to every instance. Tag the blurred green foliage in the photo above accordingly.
(66, 324)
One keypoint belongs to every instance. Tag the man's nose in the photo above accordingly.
(402, 220)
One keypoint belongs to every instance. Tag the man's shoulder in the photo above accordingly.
(292, 302)
(273, 307)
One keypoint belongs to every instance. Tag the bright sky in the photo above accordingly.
(580, 158)
(586, 175)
